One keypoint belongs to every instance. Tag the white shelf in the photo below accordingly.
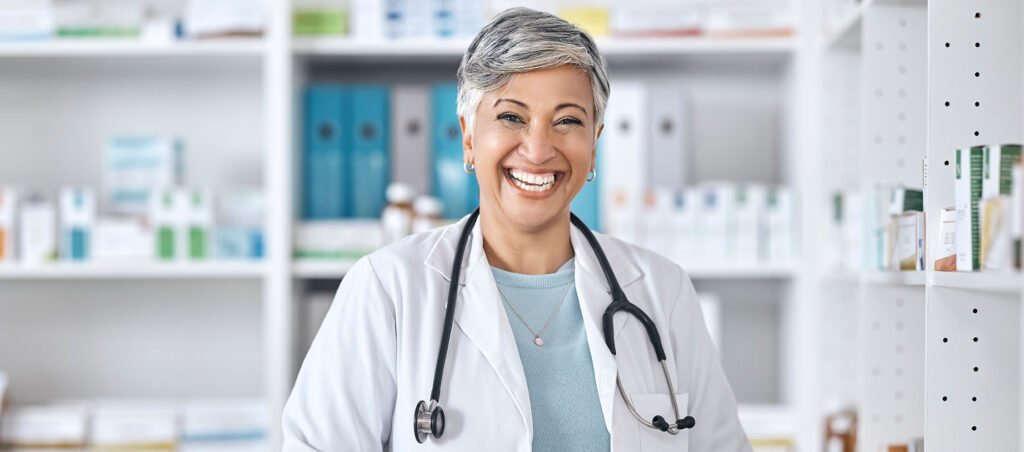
(130, 48)
(321, 268)
(610, 47)
(742, 272)
(335, 269)
(1007, 283)
(894, 278)
(175, 270)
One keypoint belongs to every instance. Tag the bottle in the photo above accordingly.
(396, 219)
(428, 214)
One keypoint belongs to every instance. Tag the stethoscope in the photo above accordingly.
(429, 418)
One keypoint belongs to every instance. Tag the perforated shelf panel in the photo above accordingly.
(893, 136)
(973, 336)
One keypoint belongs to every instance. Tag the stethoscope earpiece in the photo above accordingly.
(429, 420)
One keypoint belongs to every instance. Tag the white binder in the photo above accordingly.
(623, 160)
(410, 136)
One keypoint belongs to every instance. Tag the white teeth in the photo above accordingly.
(526, 181)
(533, 179)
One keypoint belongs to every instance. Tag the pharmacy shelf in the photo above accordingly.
(612, 48)
(198, 270)
(905, 279)
(1009, 283)
(335, 269)
(129, 48)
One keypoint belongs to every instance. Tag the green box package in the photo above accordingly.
(967, 193)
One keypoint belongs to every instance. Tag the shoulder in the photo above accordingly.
(404, 262)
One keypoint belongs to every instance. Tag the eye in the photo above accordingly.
(569, 121)
(510, 117)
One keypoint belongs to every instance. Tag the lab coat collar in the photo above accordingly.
(442, 256)
(480, 313)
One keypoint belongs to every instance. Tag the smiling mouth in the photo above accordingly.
(533, 182)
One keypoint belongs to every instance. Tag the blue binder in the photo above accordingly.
(323, 159)
(368, 150)
(587, 203)
(457, 190)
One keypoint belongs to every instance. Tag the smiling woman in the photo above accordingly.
(532, 146)
(539, 360)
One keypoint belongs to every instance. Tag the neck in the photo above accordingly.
(529, 252)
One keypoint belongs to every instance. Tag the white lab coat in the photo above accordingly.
(374, 356)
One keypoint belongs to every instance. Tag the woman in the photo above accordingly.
(526, 365)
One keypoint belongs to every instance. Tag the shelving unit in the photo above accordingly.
(183, 270)
(941, 352)
(68, 48)
(248, 90)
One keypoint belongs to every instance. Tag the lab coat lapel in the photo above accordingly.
(595, 295)
(480, 314)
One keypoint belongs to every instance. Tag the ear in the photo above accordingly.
(593, 153)
(467, 140)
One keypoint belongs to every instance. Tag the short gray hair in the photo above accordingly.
(521, 40)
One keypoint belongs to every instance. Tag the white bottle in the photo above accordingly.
(38, 231)
(396, 219)
(428, 214)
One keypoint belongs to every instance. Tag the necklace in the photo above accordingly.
(537, 334)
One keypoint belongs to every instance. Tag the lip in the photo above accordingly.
(559, 177)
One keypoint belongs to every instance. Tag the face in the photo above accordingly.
(532, 144)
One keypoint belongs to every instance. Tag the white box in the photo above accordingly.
(123, 240)
(337, 239)
(133, 423)
(196, 216)
(224, 420)
(45, 426)
(26, 19)
(135, 166)
(8, 224)
(779, 220)
(167, 218)
(223, 17)
(750, 202)
(719, 217)
(38, 232)
(908, 250)
(77, 220)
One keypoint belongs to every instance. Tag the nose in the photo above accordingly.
(537, 146)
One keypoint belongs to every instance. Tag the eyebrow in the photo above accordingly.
(527, 107)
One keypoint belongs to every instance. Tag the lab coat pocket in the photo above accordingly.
(650, 405)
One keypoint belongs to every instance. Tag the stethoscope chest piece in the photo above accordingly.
(429, 420)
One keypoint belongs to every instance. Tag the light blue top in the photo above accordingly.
(559, 375)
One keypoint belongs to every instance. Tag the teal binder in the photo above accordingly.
(458, 191)
(324, 162)
(368, 150)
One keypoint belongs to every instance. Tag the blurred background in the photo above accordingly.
(183, 184)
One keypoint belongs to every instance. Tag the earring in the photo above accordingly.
(592, 175)
(468, 167)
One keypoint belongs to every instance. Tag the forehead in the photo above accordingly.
(542, 86)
